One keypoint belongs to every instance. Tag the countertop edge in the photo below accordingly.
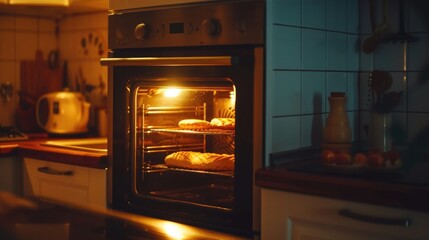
(34, 149)
(384, 194)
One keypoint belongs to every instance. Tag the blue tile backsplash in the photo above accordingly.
(317, 50)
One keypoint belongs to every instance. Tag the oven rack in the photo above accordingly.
(164, 167)
(173, 147)
(208, 131)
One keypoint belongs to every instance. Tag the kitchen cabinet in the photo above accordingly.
(64, 183)
(287, 215)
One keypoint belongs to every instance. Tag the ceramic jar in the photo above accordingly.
(337, 128)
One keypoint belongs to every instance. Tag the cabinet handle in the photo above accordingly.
(51, 171)
(405, 222)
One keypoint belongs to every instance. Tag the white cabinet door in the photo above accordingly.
(65, 183)
(295, 216)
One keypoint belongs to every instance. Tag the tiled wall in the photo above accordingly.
(20, 37)
(313, 50)
(314, 47)
(407, 63)
(82, 40)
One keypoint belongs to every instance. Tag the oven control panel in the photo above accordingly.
(230, 23)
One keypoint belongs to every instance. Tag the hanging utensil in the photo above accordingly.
(371, 43)
(401, 35)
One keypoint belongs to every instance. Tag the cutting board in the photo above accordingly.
(37, 78)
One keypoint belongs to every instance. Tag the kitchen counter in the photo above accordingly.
(372, 189)
(54, 221)
(33, 149)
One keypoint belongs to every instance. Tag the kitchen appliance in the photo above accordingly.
(63, 112)
(194, 61)
(8, 133)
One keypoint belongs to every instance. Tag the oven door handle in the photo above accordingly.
(170, 61)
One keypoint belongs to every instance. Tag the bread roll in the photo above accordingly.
(223, 122)
(194, 124)
(201, 161)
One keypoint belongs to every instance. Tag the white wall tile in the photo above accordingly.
(288, 12)
(46, 25)
(399, 129)
(389, 57)
(353, 52)
(287, 93)
(365, 96)
(352, 91)
(336, 51)
(418, 90)
(314, 14)
(7, 22)
(287, 42)
(313, 49)
(286, 133)
(366, 60)
(7, 44)
(418, 129)
(26, 24)
(68, 42)
(399, 84)
(336, 15)
(418, 57)
(353, 16)
(418, 16)
(312, 129)
(26, 45)
(47, 43)
(313, 93)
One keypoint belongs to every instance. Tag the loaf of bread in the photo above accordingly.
(228, 123)
(201, 161)
(194, 124)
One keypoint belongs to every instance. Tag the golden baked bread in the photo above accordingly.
(201, 161)
(194, 124)
(223, 122)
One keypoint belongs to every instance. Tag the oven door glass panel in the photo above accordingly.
(157, 107)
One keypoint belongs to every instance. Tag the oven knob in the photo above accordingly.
(142, 31)
(211, 27)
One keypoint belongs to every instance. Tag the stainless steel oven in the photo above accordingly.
(196, 62)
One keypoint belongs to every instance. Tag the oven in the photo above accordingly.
(193, 64)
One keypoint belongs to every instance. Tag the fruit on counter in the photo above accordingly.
(360, 159)
(375, 158)
(343, 158)
(328, 156)
(393, 159)
(336, 157)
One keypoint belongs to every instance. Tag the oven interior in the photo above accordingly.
(157, 107)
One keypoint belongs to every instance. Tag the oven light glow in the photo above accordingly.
(232, 97)
(171, 92)
(173, 230)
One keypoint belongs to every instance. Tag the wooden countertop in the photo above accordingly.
(406, 196)
(33, 149)
(78, 222)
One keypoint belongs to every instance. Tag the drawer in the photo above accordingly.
(287, 215)
(51, 171)
(65, 183)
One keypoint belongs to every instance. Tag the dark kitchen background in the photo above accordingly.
(313, 47)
